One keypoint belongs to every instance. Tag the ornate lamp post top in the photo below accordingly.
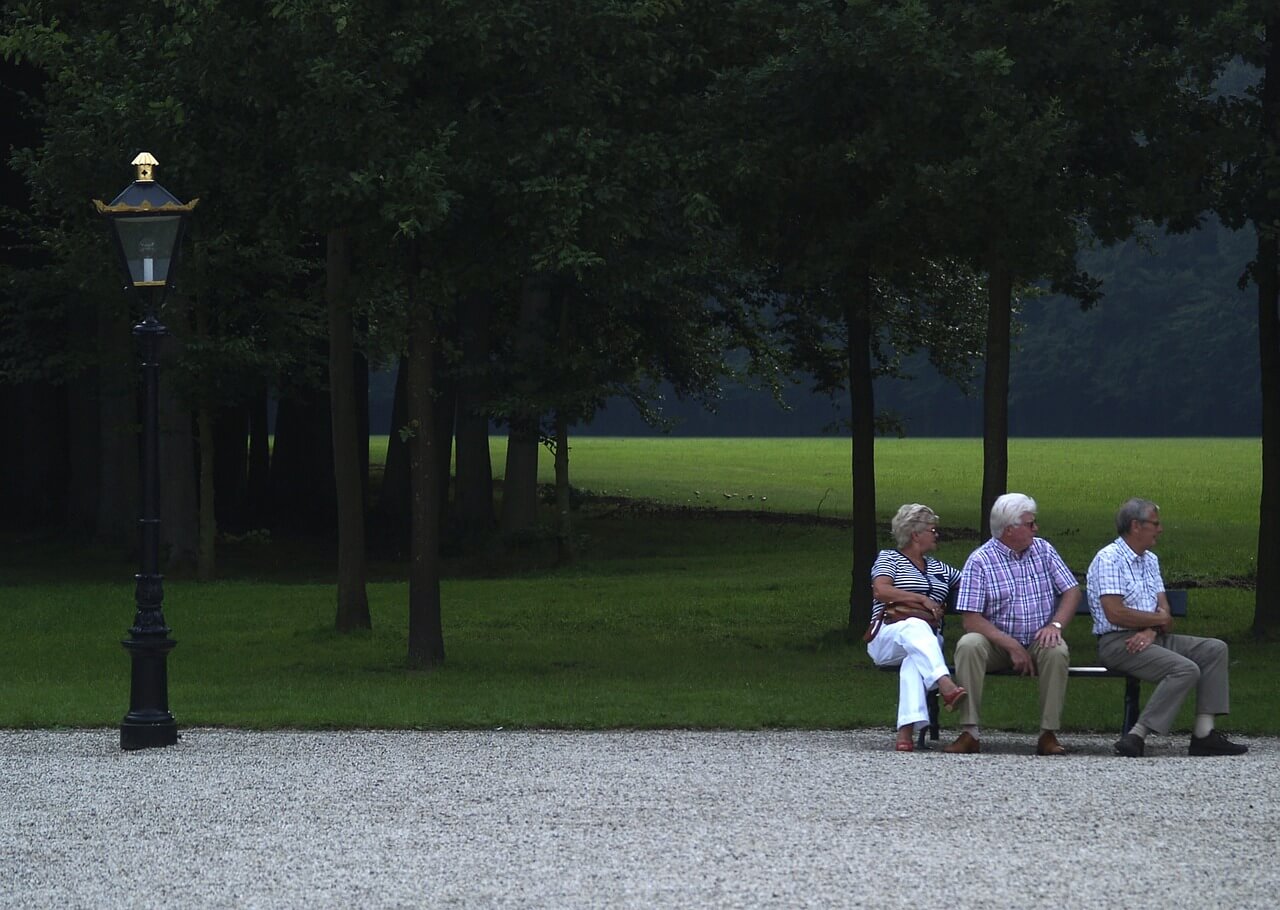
(147, 220)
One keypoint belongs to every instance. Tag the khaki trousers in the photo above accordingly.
(1176, 664)
(976, 655)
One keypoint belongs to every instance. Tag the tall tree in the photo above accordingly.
(1266, 219)
(1069, 131)
(832, 193)
(353, 599)
(1248, 148)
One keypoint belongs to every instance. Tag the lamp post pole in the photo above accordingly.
(148, 222)
(149, 723)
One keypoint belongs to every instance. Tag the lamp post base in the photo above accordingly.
(148, 725)
(138, 734)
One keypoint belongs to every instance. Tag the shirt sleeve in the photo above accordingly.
(1063, 578)
(971, 595)
(885, 564)
(1104, 574)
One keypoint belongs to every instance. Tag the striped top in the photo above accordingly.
(937, 582)
(1118, 570)
(1016, 592)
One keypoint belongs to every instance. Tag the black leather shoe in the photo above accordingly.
(1131, 745)
(1215, 744)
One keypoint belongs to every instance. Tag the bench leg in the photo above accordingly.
(1131, 694)
(931, 702)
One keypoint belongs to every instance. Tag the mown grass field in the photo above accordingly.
(667, 618)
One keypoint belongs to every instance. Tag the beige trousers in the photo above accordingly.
(976, 655)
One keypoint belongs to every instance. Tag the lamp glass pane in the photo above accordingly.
(148, 244)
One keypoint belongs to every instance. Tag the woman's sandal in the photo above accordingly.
(953, 697)
(905, 745)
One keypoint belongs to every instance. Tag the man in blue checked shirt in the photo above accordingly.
(1135, 635)
(1016, 595)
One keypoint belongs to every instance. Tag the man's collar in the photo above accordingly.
(1126, 549)
(1009, 552)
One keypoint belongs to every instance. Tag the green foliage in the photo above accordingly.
(1169, 349)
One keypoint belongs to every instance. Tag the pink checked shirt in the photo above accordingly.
(1016, 592)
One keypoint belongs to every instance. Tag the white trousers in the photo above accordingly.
(916, 649)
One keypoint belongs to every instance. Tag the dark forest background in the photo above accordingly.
(1170, 350)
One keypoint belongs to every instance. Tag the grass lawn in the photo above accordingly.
(665, 620)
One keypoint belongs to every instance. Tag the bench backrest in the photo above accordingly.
(1177, 602)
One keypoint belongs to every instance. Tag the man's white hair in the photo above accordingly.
(1007, 510)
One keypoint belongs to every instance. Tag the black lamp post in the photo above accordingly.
(147, 221)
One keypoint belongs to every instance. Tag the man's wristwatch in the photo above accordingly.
(1057, 625)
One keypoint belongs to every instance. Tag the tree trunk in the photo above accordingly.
(83, 452)
(863, 420)
(353, 598)
(360, 388)
(231, 467)
(179, 505)
(393, 498)
(1266, 609)
(33, 455)
(206, 548)
(118, 424)
(259, 482)
(564, 527)
(520, 482)
(206, 552)
(995, 391)
(426, 634)
(302, 472)
(444, 388)
(473, 487)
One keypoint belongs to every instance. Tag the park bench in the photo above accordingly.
(1177, 606)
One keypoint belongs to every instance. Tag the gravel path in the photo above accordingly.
(230, 818)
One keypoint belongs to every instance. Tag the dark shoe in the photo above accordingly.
(966, 744)
(1215, 744)
(1131, 745)
(1049, 745)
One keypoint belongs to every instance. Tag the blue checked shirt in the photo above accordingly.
(1118, 570)
(1016, 592)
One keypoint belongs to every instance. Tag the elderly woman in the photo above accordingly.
(908, 575)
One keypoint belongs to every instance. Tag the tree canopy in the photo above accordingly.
(620, 194)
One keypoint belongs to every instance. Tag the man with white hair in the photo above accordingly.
(1134, 626)
(1016, 596)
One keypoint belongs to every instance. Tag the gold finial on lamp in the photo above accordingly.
(145, 162)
